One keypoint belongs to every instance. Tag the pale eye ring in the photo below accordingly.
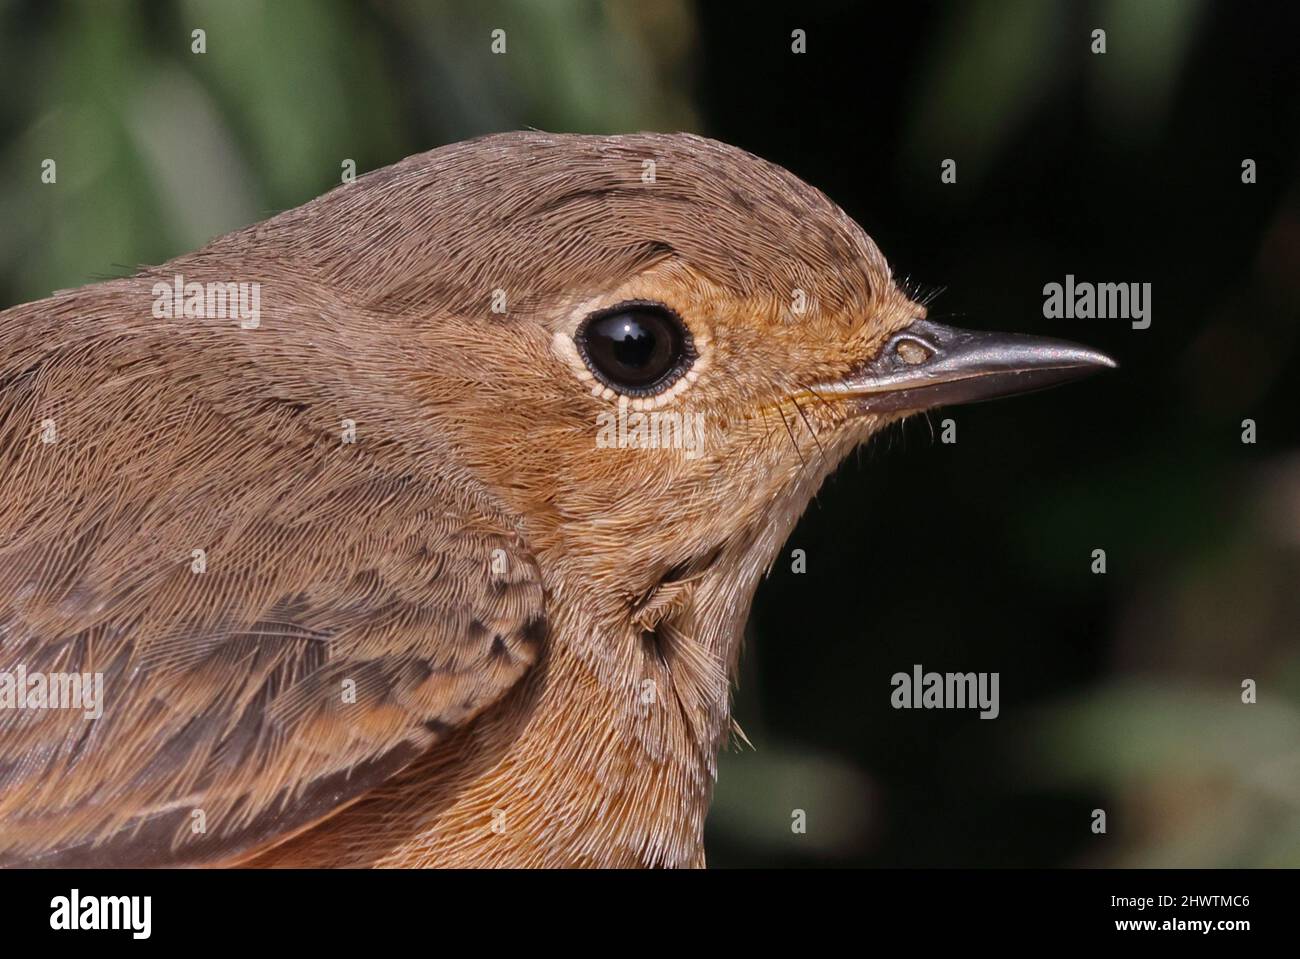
(637, 347)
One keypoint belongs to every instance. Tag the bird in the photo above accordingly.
(418, 526)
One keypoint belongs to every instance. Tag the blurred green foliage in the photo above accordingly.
(160, 148)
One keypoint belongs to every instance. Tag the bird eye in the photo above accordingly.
(638, 348)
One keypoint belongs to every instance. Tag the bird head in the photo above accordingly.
(650, 350)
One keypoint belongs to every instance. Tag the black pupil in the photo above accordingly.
(634, 348)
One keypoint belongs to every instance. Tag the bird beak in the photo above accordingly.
(927, 364)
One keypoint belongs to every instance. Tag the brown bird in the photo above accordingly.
(434, 547)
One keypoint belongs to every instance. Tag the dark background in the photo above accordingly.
(1119, 691)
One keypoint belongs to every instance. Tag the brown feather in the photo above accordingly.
(379, 562)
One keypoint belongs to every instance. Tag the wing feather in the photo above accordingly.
(279, 621)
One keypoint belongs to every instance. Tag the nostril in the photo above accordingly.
(913, 352)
